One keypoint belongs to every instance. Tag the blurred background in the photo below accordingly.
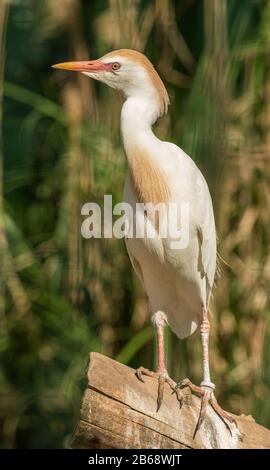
(62, 296)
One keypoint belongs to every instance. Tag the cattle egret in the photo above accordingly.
(178, 280)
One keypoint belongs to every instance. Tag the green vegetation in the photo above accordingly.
(61, 296)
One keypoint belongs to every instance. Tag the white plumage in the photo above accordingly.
(177, 281)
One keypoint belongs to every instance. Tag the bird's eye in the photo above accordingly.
(116, 66)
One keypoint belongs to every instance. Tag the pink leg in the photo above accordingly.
(205, 329)
(160, 320)
(206, 390)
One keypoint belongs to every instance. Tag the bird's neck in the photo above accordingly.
(137, 117)
(142, 150)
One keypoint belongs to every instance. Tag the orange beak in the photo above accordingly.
(90, 66)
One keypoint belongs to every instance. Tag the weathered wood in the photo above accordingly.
(118, 411)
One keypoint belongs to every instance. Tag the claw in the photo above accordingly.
(179, 396)
(184, 383)
(193, 388)
(162, 378)
(142, 371)
(139, 375)
(207, 396)
(182, 398)
(222, 414)
(161, 382)
(204, 401)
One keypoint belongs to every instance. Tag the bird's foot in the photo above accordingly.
(206, 393)
(163, 377)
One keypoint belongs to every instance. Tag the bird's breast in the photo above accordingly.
(149, 184)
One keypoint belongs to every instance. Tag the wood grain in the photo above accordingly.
(118, 411)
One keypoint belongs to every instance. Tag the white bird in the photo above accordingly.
(177, 281)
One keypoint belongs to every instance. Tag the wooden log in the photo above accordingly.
(119, 412)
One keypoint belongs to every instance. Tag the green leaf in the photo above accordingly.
(43, 105)
(135, 344)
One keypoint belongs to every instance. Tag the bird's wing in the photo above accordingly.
(206, 233)
(192, 187)
(206, 261)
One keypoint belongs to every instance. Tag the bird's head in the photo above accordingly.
(128, 71)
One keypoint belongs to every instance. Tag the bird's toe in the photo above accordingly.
(162, 377)
(206, 393)
(141, 371)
